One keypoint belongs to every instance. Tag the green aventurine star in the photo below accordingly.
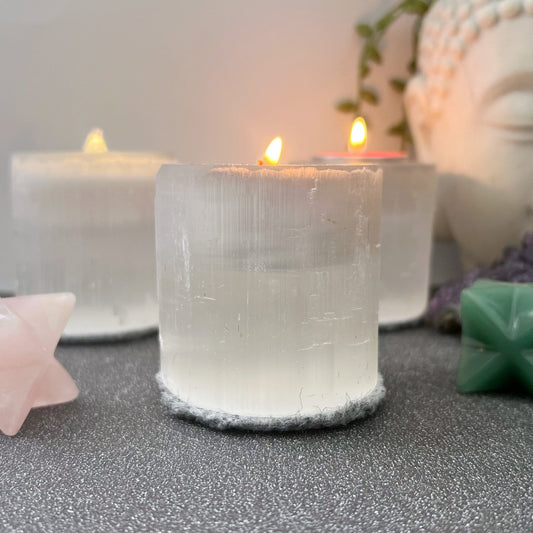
(497, 343)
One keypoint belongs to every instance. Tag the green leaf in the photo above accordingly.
(399, 129)
(384, 22)
(347, 106)
(372, 53)
(414, 7)
(369, 95)
(411, 67)
(364, 30)
(397, 85)
(364, 70)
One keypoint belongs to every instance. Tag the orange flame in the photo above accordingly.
(272, 153)
(358, 135)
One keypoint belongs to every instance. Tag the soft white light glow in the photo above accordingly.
(95, 142)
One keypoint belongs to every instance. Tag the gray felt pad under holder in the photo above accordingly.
(352, 410)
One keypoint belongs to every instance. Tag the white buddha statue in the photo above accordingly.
(470, 109)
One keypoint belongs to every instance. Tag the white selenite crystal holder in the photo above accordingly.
(84, 223)
(268, 282)
(409, 198)
(409, 195)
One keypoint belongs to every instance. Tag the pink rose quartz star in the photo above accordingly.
(30, 376)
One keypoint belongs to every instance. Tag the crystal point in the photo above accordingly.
(497, 336)
(30, 376)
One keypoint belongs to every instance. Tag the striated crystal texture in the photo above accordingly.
(268, 286)
(409, 191)
(497, 343)
(409, 195)
(84, 222)
(30, 376)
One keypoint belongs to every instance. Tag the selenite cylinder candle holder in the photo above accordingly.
(409, 198)
(84, 223)
(409, 195)
(268, 283)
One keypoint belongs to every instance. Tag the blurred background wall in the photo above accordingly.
(206, 80)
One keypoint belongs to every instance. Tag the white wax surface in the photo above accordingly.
(268, 286)
(84, 223)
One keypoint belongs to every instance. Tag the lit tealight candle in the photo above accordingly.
(357, 141)
(84, 223)
(95, 143)
(272, 153)
(268, 291)
(356, 152)
(409, 190)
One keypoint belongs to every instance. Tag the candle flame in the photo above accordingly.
(272, 153)
(358, 135)
(95, 142)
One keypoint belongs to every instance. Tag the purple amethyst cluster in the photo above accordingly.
(516, 266)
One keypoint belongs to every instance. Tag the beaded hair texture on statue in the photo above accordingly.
(448, 29)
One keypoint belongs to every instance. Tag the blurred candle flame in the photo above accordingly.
(95, 142)
(358, 135)
(272, 153)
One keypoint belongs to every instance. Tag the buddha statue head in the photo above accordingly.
(470, 110)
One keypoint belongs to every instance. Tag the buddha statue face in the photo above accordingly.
(470, 110)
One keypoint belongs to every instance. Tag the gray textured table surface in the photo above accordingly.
(429, 460)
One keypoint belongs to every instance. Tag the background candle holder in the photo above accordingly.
(409, 196)
(84, 223)
(268, 292)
